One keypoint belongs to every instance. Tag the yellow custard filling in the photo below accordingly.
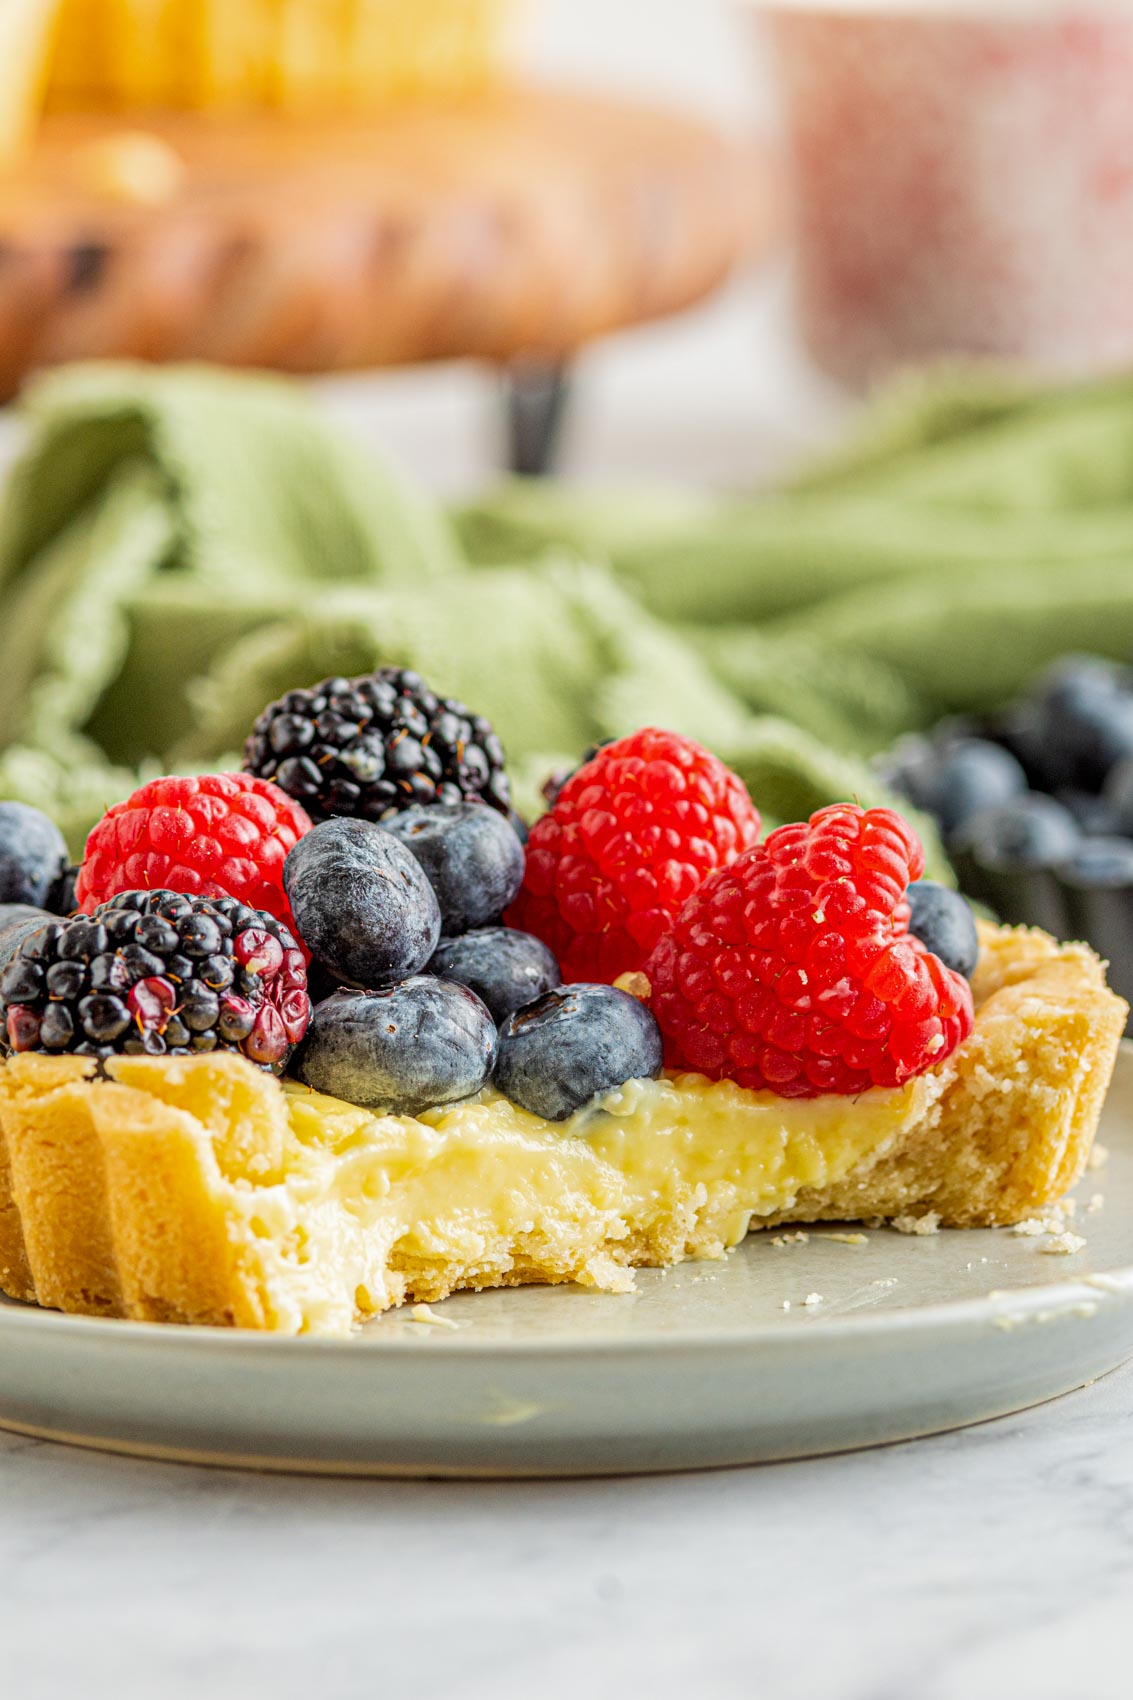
(655, 1172)
(342, 1212)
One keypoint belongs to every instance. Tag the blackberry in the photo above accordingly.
(371, 746)
(61, 898)
(555, 781)
(158, 973)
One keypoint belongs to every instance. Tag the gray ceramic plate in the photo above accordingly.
(703, 1366)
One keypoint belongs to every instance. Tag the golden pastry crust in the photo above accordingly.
(1013, 1127)
(164, 1194)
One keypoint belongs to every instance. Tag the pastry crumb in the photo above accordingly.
(847, 1239)
(813, 1299)
(798, 1238)
(1032, 1226)
(1096, 1203)
(786, 1305)
(1063, 1245)
(1104, 1283)
(426, 1314)
(1098, 1155)
(929, 1223)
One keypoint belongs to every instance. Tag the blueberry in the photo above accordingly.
(1117, 795)
(1099, 863)
(570, 1045)
(1076, 681)
(944, 923)
(956, 778)
(472, 856)
(1029, 832)
(18, 921)
(33, 855)
(1096, 816)
(505, 968)
(424, 1042)
(362, 903)
(1075, 724)
(519, 825)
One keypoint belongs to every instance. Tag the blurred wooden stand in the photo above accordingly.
(514, 229)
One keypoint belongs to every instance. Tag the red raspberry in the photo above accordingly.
(222, 835)
(793, 969)
(631, 836)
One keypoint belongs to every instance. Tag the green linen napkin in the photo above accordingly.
(177, 547)
(974, 528)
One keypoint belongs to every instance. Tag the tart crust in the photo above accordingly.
(173, 1191)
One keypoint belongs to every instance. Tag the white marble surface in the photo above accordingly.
(985, 1565)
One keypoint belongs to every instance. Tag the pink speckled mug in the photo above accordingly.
(963, 180)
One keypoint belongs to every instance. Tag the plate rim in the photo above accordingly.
(1017, 1302)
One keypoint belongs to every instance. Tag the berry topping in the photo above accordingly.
(792, 970)
(505, 968)
(222, 835)
(953, 778)
(571, 1045)
(943, 921)
(18, 921)
(156, 973)
(363, 904)
(33, 855)
(370, 746)
(630, 838)
(471, 856)
(1098, 864)
(1075, 724)
(1029, 832)
(420, 1043)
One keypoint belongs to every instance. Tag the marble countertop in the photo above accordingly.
(987, 1564)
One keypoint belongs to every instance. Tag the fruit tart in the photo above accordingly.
(306, 1042)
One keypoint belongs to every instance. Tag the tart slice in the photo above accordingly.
(202, 1190)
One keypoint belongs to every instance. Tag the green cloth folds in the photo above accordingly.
(177, 547)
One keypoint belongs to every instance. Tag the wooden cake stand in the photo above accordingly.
(514, 229)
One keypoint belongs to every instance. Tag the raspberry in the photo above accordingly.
(222, 835)
(793, 970)
(630, 837)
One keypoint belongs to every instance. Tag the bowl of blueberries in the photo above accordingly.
(1035, 804)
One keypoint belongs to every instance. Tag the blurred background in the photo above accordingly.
(917, 179)
(747, 397)
(837, 302)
